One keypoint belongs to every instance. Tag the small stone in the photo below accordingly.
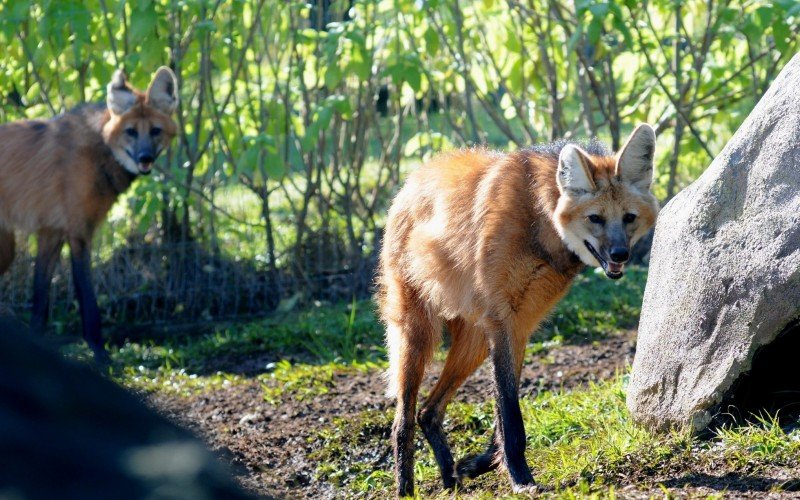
(248, 418)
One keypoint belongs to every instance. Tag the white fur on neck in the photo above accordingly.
(125, 160)
(573, 242)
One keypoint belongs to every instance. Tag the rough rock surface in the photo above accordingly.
(725, 268)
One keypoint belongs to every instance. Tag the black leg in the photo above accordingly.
(414, 337)
(512, 432)
(90, 313)
(431, 424)
(49, 249)
(403, 436)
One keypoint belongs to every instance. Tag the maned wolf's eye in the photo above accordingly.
(628, 218)
(596, 219)
(155, 131)
(132, 132)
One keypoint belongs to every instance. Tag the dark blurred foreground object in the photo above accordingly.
(66, 432)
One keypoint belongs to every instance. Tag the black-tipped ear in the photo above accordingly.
(635, 160)
(573, 175)
(162, 93)
(120, 96)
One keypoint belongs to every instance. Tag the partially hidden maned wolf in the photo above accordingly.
(487, 243)
(60, 177)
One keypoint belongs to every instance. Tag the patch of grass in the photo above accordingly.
(304, 381)
(324, 333)
(177, 382)
(343, 334)
(356, 452)
(763, 442)
(596, 307)
(579, 443)
(331, 338)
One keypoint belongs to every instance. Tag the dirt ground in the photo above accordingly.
(272, 453)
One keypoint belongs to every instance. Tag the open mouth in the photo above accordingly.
(144, 167)
(613, 269)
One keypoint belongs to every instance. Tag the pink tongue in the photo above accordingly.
(615, 267)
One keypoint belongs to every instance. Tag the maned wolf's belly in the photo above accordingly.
(30, 214)
(452, 295)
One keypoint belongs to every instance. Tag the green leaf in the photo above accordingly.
(143, 24)
(751, 29)
(151, 51)
(599, 10)
(333, 75)
(413, 77)
(781, 34)
(341, 104)
(323, 117)
(432, 41)
(33, 92)
(514, 80)
(248, 161)
(594, 31)
(763, 16)
(311, 137)
(273, 164)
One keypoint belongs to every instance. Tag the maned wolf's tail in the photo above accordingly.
(6, 249)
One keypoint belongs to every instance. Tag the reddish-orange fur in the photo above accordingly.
(60, 177)
(471, 241)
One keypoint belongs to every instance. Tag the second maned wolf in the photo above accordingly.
(60, 177)
(487, 243)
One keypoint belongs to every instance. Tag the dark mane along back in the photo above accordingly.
(553, 149)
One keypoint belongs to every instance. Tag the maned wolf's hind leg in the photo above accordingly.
(90, 313)
(49, 245)
(411, 343)
(7, 249)
(473, 466)
(467, 351)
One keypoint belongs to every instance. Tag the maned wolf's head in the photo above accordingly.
(606, 204)
(141, 125)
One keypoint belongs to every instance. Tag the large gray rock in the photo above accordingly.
(724, 274)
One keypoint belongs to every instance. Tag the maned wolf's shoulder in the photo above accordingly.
(86, 118)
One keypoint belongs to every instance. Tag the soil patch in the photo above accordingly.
(272, 447)
(270, 443)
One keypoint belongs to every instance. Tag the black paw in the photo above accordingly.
(473, 466)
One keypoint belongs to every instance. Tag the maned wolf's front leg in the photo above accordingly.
(511, 430)
(49, 248)
(90, 313)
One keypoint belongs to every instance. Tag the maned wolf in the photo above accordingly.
(488, 243)
(59, 178)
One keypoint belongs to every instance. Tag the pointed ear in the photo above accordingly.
(574, 174)
(162, 93)
(120, 97)
(635, 160)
